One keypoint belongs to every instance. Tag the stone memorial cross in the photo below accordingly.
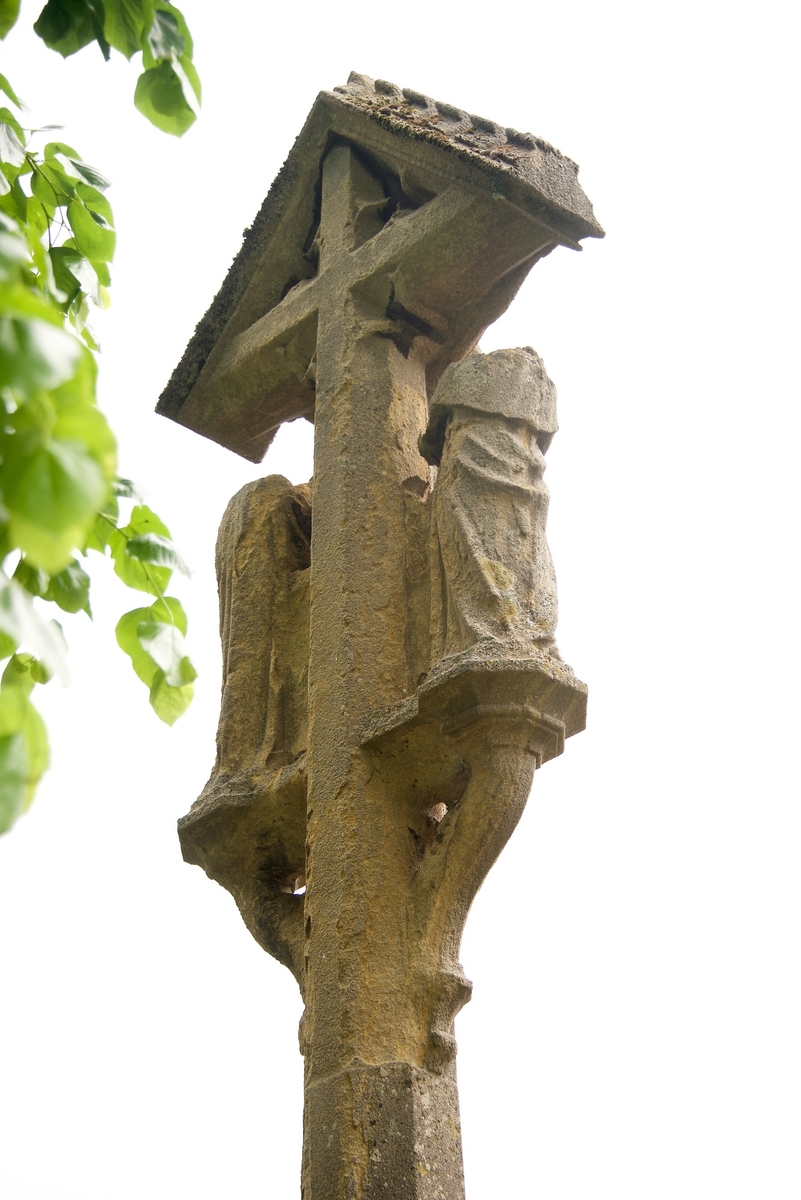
(390, 678)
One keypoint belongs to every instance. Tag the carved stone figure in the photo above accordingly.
(263, 556)
(491, 420)
(248, 827)
(389, 691)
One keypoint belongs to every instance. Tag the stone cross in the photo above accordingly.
(390, 679)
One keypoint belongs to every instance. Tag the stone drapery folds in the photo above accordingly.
(493, 582)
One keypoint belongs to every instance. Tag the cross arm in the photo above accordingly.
(443, 272)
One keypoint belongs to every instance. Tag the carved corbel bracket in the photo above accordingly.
(249, 834)
(459, 757)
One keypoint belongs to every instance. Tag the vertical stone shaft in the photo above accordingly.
(364, 1090)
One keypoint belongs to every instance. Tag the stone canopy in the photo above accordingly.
(529, 201)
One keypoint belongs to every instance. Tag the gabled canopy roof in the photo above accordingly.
(424, 146)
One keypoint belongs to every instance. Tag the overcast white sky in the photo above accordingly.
(634, 1030)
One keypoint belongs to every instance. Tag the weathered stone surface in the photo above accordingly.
(507, 383)
(264, 628)
(248, 828)
(389, 688)
(404, 1140)
(490, 421)
(465, 208)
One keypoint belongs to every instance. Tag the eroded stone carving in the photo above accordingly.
(491, 420)
(387, 696)
(248, 827)
(263, 553)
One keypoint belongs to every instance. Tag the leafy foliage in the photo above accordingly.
(168, 90)
(59, 492)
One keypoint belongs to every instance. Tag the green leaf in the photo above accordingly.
(42, 276)
(17, 203)
(163, 38)
(91, 176)
(52, 149)
(160, 97)
(18, 674)
(145, 577)
(87, 276)
(62, 260)
(39, 671)
(35, 354)
(153, 548)
(85, 423)
(20, 622)
(35, 217)
(102, 529)
(69, 589)
(124, 26)
(52, 496)
(194, 93)
(144, 520)
(167, 611)
(13, 251)
(126, 489)
(52, 185)
(31, 425)
(38, 749)
(153, 639)
(12, 710)
(52, 549)
(96, 202)
(25, 671)
(69, 25)
(56, 150)
(93, 236)
(183, 28)
(58, 486)
(6, 87)
(169, 703)
(13, 779)
(9, 11)
(132, 572)
(10, 118)
(21, 765)
(44, 191)
(128, 640)
(12, 149)
(21, 301)
(33, 579)
(80, 388)
(165, 645)
(79, 319)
